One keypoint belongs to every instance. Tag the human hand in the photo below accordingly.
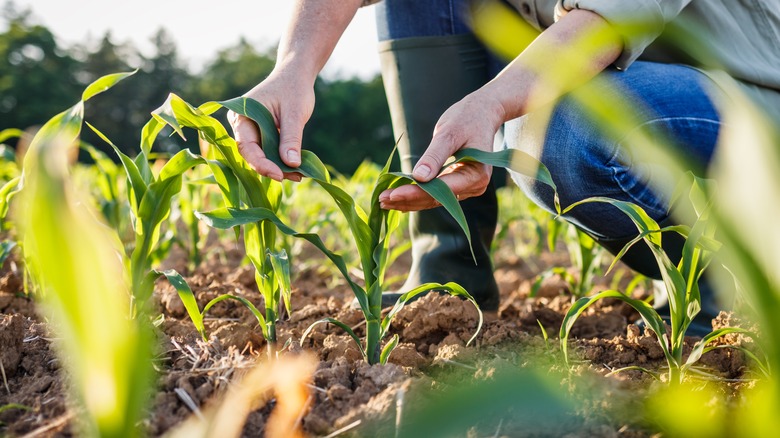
(291, 102)
(470, 123)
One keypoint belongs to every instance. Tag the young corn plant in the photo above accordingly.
(106, 176)
(681, 280)
(11, 174)
(78, 264)
(242, 190)
(150, 198)
(585, 255)
(372, 230)
(192, 198)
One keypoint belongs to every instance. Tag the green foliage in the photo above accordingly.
(241, 187)
(76, 263)
(35, 79)
(38, 77)
(585, 255)
(680, 281)
(150, 203)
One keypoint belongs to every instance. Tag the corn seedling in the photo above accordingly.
(78, 264)
(11, 174)
(680, 281)
(243, 190)
(150, 198)
(585, 255)
(372, 231)
(193, 197)
(106, 177)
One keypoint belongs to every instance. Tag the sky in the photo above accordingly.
(200, 28)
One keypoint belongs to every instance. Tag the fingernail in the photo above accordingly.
(293, 157)
(422, 171)
(395, 196)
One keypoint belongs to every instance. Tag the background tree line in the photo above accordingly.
(39, 78)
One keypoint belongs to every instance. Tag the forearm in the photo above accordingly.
(566, 55)
(312, 33)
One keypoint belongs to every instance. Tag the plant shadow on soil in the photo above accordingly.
(432, 355)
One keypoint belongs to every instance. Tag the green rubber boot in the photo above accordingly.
(423, 77)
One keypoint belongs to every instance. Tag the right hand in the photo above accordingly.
(291, 103)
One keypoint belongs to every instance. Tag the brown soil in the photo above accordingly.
(433, 334)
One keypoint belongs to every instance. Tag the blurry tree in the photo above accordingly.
(351, 123)
(36, 76)
(234, 71)
(38, 79)
(124, 110)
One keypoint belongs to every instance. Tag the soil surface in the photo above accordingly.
(344, 391)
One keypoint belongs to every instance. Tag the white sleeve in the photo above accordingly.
(639, 22)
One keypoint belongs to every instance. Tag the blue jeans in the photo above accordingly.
(585, 161)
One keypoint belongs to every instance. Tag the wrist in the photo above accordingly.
(296, 73)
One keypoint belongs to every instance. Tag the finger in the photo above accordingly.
(441, 148)
(466, 180)
(290, 135)
(411, 198)
(293, 176)
(248, 140)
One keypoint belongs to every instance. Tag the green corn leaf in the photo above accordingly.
(311, 166)
(643, 222)
(104, 84)
(226, 218)
(227, 182)
(699, 348)
(187, 298)
(648, 314)
(339, 324)
(136, 183)
(676, 289)
(383, 222)
(180, 163)
(10, 406)
(763, 365)
(6, 247)
(560, 271)
(179, 113)
(142, 163)
(281, 266)
(451, 288)
(7, 192)
(441, 192)
(10, 133)
(389, 347)
(512, 159)
(248, 304)
(74, 261)
(653, 374)
(149, 133)
(156, 205)
(203, 181)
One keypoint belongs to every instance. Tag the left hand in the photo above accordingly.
(470, 123)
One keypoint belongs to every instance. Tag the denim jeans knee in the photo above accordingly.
(587, 159)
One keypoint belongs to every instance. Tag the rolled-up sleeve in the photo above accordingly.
(538, 13)
(639, 22)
